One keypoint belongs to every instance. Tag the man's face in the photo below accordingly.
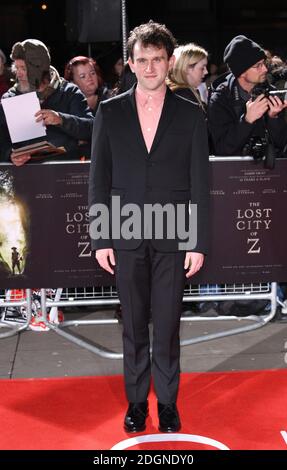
(256, 74)
(21, 73)
(151, 65)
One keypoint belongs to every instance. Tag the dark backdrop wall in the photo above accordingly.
(212, 23)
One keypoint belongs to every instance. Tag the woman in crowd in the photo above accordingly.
(114, 73)
(188, 72)
(86, 74)
(184, 79)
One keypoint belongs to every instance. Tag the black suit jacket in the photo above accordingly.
(174, 171)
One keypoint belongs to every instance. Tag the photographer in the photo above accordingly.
(239, 123)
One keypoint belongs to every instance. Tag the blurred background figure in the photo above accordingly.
(114, 74)
(213, 74)
(6, 75)
(188, 72)
(86, 74)
(113, 67)
(277, 76)
(126, 81)
(119, 67)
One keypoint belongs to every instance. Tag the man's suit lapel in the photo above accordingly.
(167, 114)
(134, 127)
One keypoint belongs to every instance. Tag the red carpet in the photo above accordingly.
(235, 410)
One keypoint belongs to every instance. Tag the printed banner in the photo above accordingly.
(248, 233)
(44, 228)
(44, 231)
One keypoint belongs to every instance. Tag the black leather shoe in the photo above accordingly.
(169, 420)
(136, 416)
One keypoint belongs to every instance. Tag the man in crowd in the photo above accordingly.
(64, 110)
(240, 122)
(150, 147)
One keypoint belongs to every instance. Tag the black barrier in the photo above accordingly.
(44, 238)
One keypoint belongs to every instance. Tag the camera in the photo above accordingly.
(268, 90)
(260, 148)
(255, 147)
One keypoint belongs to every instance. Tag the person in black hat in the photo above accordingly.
(64, 109)
(239, 123)
(37, 61)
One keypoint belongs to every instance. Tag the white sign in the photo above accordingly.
(20, 116)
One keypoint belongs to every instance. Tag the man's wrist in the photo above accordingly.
(247, 120)
(60, 119)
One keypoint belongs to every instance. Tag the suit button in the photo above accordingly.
(150, 164)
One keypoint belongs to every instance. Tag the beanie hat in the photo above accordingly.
(241, 54)
(36, 57)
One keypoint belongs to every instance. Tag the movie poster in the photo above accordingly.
(44, 231)
(248, 232)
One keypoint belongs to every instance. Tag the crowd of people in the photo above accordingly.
(241, 118)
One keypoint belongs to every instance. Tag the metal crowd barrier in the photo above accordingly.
(107, 296)
(15, 328)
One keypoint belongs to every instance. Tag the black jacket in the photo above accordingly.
(228, 129)
(175, 170)
(188, 94)
(72, 106)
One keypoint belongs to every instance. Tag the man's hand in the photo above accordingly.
(255, 109)
(193, 262)
(275, 106)
(20, 160)
(49, 117)
(106, 258)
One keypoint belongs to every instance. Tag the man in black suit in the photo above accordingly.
(149, 150)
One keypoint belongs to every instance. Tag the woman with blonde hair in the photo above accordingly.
(186, 75)
(188, 72)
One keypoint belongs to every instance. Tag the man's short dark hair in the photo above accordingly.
(151, 34)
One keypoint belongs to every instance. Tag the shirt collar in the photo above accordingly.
(156, 97)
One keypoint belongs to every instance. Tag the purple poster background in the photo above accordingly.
(53, 198)
(248, 229)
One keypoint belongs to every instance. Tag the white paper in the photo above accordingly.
(20, 116)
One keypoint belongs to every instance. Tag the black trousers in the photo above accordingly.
(150, 282)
